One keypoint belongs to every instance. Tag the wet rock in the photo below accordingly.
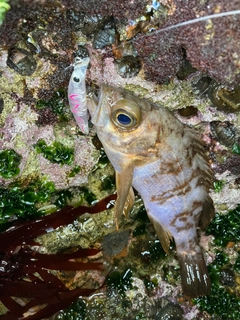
(21, 61)
(224, 132)
(46, 117)
(170, 312)
(104, 38)
(128, 66)
(188, 112)
(185, 70)
(75, 19)
(114, 243)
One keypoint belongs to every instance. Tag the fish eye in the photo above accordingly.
(126, 114)
(75, 79)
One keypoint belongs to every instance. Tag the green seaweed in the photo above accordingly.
(218, 185)
(120, 281)
(76, 311)
(4, 7)
(57, 104)
(19, 201)
(150, 284)
(108, 183)
(88, 196)
(139, 230)
(62, 198)
(225, 227)
(9, 163)
(142, 215)
(219, 302)
(103, 160)
(236, 148)
(56, 153)
(156, 251)
(72, 173)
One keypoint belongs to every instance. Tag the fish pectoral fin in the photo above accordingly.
(129, 202)
(125, 195)
(163, 235)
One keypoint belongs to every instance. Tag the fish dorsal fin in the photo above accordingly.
(125, 195)
(163, 235)
(200, 161)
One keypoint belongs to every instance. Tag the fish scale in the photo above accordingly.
(165, 161)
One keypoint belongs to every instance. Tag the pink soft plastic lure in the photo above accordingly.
(77, 93)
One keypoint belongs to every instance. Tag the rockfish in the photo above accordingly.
(164, 160)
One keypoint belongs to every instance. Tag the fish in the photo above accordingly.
(77, 93)
(165, 162)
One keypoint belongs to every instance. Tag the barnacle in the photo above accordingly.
(224, 132)
(21, 61)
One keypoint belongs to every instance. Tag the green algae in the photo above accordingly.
(76, 311)
(121, 281)
(220, 301)
(18, 201)
(55, 153)
(218, 185)
(72, 173)
(9, 163)
(225, 227)
(236, 148)
(4, 7)
(62, 198)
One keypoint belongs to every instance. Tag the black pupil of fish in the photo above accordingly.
(124, 119)
(76, 79)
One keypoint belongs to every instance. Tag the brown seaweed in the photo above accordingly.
(24, 273)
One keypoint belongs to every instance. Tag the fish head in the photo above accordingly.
(124, 122)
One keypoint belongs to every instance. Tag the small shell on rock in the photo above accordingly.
(1, 105)
(203, 84)
(21, 61)
(188, 112)
(128, 66)
(104, 38)
(223, 98)
(227, 277)
(224, 132)
(114, 243)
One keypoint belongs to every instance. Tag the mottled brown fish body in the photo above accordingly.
(165, 162)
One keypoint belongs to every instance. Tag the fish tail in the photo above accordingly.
(194, 274)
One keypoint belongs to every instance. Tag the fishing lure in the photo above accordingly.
(77, 93)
